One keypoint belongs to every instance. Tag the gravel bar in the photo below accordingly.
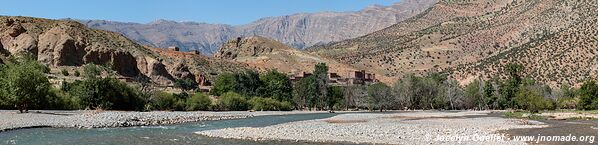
(10, 120)
(420, 127)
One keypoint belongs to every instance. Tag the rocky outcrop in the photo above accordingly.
(299, 30)
(248, 46)
(14, 28)
(155, 70)
(68, 43)
(181, 71)
(60, 49)
(15, 40)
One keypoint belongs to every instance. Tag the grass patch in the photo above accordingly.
(582, 118)
(523, 115)
(574, 111)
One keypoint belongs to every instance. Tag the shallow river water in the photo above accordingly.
(168, 134)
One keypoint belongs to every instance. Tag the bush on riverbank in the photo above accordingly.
(97, 92)
(198, 101)
(588, 96)
(23, 84)
(232, 101)
(162, 101)
(269, 104)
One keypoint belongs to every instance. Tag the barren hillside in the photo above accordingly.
(265, 54)
(556, 41)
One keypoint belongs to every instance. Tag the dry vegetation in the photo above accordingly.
(556, 40)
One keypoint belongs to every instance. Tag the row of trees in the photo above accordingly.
(516, 92)
(435, 91)
(24, 85)
(271, 90)
(275, 90)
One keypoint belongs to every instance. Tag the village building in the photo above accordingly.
(352, 78)
(173, 48)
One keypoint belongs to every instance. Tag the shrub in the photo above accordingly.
(61, 100)
(77, 73)
(567, 103)
(231, 101)
(336, 99)
(531, 100)
(225, 82)
(185, 84)
(277, 85)
(379, 96)
(105, 93)
(588, 96)
(65, 72)
(199, 101)
(179, 105)
(23, 84)
(269, 104)
(163, 101)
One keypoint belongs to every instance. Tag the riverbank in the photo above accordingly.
(10, 119)
(418, 127)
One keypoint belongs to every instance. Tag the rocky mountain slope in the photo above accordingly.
(264, 54)
(555, 40)
(298, 30)
(71, 44)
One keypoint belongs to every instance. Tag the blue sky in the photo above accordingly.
(233, 12)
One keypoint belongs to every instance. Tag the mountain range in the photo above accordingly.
(299, 30)
(556, 42)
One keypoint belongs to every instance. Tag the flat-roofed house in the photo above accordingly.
(174, 48)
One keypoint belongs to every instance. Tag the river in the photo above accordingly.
(144, 135)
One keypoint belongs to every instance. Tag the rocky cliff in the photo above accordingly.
(69, 43)
(298, 30)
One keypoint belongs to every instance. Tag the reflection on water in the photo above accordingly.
(169, 134)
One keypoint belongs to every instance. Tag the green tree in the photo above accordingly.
(198, 101)
(225, 82)
(321, 75)
(92, 71)
(276, 85)
(588, 95)
(232, 101)
(105, 92)
(474, 94)
(530, 99)
(380, 96)
(335, 97)
(23, 83)
(248, 83)
(489, 97)
(511, 86)
(163, 101)
(305, 91)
